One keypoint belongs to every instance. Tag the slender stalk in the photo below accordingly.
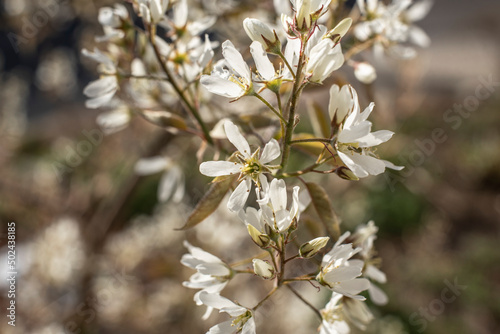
(294, 98)
(311, 140)
(273, 259)
(282, 260)
(178, 90)
(265, 298)
(280, 106)
(131, 76)
(271, 107)
(316, 311)
(292, 258)
(246, 271)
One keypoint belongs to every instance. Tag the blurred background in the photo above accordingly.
(96, 253)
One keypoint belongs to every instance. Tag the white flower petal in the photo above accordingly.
(101, 86)
(375, 274)
(277, 194)
(249, 327)
(239, 196)
(169, 183)
(100, 101)
(213, 269)
(236, 138)
(352, 287)
(419, 10)
(113, 121)
(341, 102)
(344, 273)
(271, 151)
(148, 166)
(358, 170)
(377, 296)
(235, 60)
(365, 73)
(219, 168)
(375, 138)
(390, 165)
(351, 135)
(217, 301)
(262, 62)
(200, 254)
(217, 85)
(371, 165)
(419, 37)
(225, 327)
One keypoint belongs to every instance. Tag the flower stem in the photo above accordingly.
(316, 311)
(271, 107)
(311, 140)
(294, 98)
(265, 298)
(175, 85)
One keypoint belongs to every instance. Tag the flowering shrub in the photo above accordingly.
(159, 63)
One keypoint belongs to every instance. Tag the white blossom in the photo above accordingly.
(341, 312)
(266, 72)
(172, 181)
(365, 72)
(234, 82)
(309, 11)
(355, 140)
(101, 91)
(263, 268)
(258, 31)
(325, 57)
(212, 273)
(112, 20)
(393, 24)
(249, 166)
(243, 321)
(364, 236)
(115, 119)
(340, 104)
(339, 274)
(273, 204)
(322, 54)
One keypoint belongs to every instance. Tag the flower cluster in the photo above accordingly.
(170, 81)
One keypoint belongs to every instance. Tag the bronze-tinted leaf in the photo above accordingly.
(323, 206)
(313, 148)
(210, 201)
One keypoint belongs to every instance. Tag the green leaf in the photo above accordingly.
(210, 201)
(323, 206)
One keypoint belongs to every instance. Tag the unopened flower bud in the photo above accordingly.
(262, 240)
(340, 30)
(341, 104)
(346, 174)
(263, 269)
(303, 15)
(365, 72)
(287, 23)
(260, 32)
(311, 248)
